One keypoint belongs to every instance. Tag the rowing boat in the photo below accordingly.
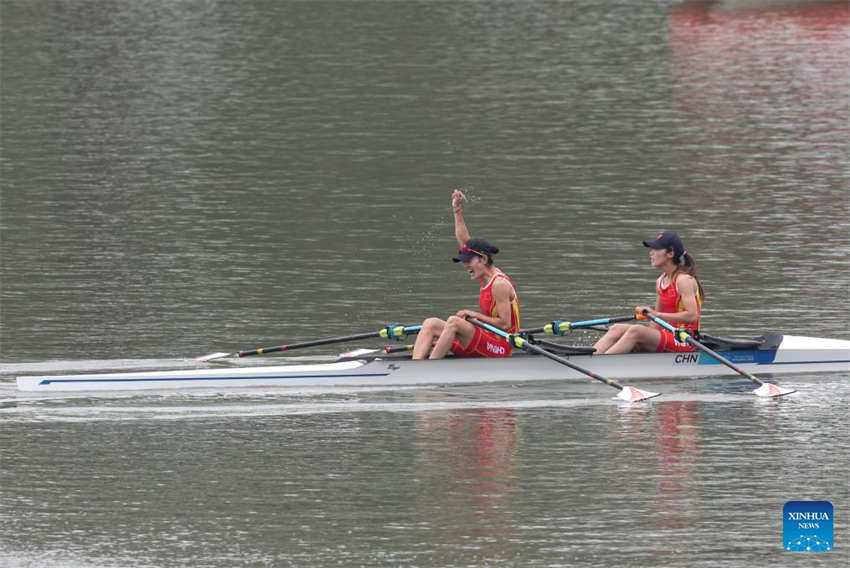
(770, 354)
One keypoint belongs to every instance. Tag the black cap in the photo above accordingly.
(668, 240)
(475, 247)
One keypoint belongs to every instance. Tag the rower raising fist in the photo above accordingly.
(457, 200)
(497, 300)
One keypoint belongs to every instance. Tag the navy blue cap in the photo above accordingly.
(668, 240)
(475, 247)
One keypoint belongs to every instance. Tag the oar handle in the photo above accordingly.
(394, 331)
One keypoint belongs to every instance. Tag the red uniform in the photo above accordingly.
(670, 301)
(486, 343)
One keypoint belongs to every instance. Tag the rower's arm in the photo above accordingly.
(502, 295)
(461, 232)
(687, 288)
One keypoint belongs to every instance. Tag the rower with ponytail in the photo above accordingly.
(686, 264)
(679, 297)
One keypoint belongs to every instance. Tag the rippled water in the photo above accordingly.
(466, 476)
(182, 178)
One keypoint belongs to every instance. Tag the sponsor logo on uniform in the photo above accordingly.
(496, 349)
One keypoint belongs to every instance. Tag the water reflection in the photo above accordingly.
(676, 445)
(762, 89)
(760, 99)
(468, 463)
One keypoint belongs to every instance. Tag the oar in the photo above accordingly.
(394, 331)
(765, 389)
(628, 393)
(560, 327)
(364, 352)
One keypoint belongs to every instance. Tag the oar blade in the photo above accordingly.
(212, 356)
(770, 390)
(359, 353)
(634, 394)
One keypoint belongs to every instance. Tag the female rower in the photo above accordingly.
(497, 300)
(679, 297)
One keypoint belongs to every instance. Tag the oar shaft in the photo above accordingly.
(683, 335)
(524, 344)
(392, 332)
(264, 350)
(724, 360)
(540, 351)
(560, 327)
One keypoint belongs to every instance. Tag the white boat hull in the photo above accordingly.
(796, 354)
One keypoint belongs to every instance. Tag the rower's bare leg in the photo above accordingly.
(612, 336)
(636, 338)
(431, 328)
(455, 328)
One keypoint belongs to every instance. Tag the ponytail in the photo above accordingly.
(685, 264)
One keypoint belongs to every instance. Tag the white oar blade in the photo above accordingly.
(358, 353)
(212, 356)
(771, 390)
(633, 394)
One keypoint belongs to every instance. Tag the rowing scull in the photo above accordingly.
(777, 354)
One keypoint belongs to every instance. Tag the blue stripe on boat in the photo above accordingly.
(809, 362)
(169, 379)
(758, 357)
(765, 357)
